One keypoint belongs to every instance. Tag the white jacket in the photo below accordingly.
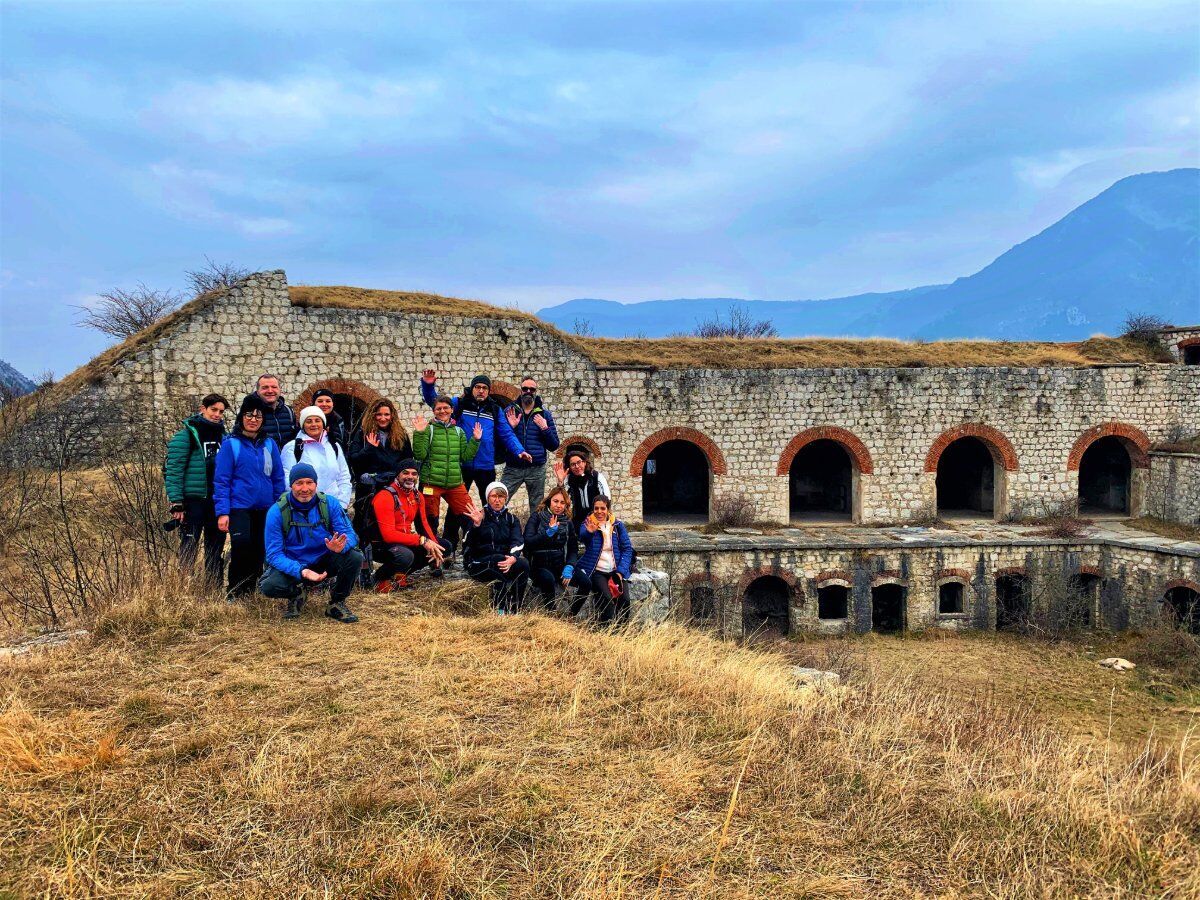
(333, 474)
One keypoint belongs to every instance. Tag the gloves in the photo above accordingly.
(551, 529)
(367, 478)
(568, 571)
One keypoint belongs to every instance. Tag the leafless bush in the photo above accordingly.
(1146, 329)
(214, 275)
(740, 324)
(583, 328)
(1060, 604)
(733, 511)
(122, 314)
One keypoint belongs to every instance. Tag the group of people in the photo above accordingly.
(314, 498)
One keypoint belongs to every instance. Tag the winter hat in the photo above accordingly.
(311, 411)
(408, 464)
(252, 403)
(323, 392)
(301, 470)
(496, 486)
(481, 379)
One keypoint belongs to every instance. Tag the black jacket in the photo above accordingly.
(279, 423)
(382, 460)
(497, 536)
(336, 427)
(549, 551)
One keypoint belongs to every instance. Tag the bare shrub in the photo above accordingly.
(214, 275)
(1146, 329)
(583, 328)
(733, 511)
(740, 324)
(122, 314)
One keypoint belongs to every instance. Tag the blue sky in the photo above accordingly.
(532, 153)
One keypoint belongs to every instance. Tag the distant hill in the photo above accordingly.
(1134, 247)
(13, 380)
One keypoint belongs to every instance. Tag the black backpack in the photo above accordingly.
(298, 448)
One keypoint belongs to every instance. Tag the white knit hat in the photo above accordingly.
(496, 486)
(311, 411)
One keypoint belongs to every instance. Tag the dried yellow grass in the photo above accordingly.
(424, 754)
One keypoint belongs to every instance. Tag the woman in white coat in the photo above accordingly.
(313, 446)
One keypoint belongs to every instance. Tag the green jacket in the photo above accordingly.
(185, 472)
(441, 450)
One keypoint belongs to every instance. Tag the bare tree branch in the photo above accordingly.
(122, 314)
(214, 275)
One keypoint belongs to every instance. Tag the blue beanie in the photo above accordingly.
(301, 470)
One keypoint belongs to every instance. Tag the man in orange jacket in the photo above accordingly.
(408, 543)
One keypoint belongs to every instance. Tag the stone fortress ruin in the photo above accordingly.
(858, 467)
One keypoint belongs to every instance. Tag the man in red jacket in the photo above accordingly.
(408, 542)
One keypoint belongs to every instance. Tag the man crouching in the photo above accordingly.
(309, 538)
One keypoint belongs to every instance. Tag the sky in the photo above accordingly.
(533, 153)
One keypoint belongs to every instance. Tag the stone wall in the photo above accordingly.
(1129, 592)
(1036, 422)
(1174, 493)
(1178, 340)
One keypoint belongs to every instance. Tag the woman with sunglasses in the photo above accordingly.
(247, 481)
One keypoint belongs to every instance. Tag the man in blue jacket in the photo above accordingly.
(476, 405)
(247, 479)
(308, 538)
(534, 427)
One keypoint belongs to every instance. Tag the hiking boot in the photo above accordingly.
(401, 581)
(437, 572)
(385, 586)
(293, 608)
(340, 612)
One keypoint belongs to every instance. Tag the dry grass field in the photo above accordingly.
(195, 749)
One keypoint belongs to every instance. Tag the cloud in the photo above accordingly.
(220, 198)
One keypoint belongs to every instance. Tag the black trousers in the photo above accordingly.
(547, 579)
(481, 478)
(397, 558)
(343, 567)
(200, 526)
(608, 608)
(508, 588)
(246, 549)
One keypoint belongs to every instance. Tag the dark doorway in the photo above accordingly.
(966, 479)
(887, 607)
(833, 601)
(703, 600)
(351, 409)
(1104, 472)
(1013, 600)
(1183, 606)
(1191, 355)
(675, 484)
(765, 606)
(1084, 600)
(950, 598)
(821, 482)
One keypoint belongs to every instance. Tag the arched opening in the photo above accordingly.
(1105, 471)
(1182, 605)
(675, 484)
(951, 598)
(821, 483)
(967, 480)
(1189, 350)
(702, 600)
(1084, 601)
(833, 601)
(1014, 598)
(765, 606)
(887, 607)
(350, 399)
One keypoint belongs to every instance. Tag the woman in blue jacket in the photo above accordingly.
(607, 554)
(246, 483)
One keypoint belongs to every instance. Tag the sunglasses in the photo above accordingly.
(525, 389)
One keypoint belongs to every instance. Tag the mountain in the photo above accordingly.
(1134, 247)
(12, 380)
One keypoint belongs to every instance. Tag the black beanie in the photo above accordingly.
(481, 379)
(407, 464)
(252, 403)
(323, 392)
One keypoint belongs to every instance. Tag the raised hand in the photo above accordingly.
(419, 423)
(373, 438)
(553, 521)
(540, 421)
(514, 418)
(337, 543)
(429, 376)
(310, 575)
(560, 471)
(477, 431)
(590, 524)
(474, 512)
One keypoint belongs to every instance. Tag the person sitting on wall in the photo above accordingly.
(583, 483)
(443, 449)
(476, 405)
(335, 425)
(279, 422)
(605, 564)
(376, 451)
(534, 427)
(188, 476)
(247, 480)
(407, 541)
(550, 545)
(309, 538)
(492, 550)
(313, 446)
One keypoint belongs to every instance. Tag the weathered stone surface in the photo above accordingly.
(815, 676)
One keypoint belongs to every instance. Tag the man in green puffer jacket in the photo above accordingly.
(441, 447)
(188, 475)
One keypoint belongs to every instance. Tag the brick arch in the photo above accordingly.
(1091, 570)
(997, 444)
(355, 389)
(1133, 439)
(697, 579)
(859, 454)
(1181, 582)
(953, 574)
(889, 576)
(716, 459)
(752, 575)
(578, 440)
(1189, 342)
(834, 575)
(504, 390)
(1006, 572)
